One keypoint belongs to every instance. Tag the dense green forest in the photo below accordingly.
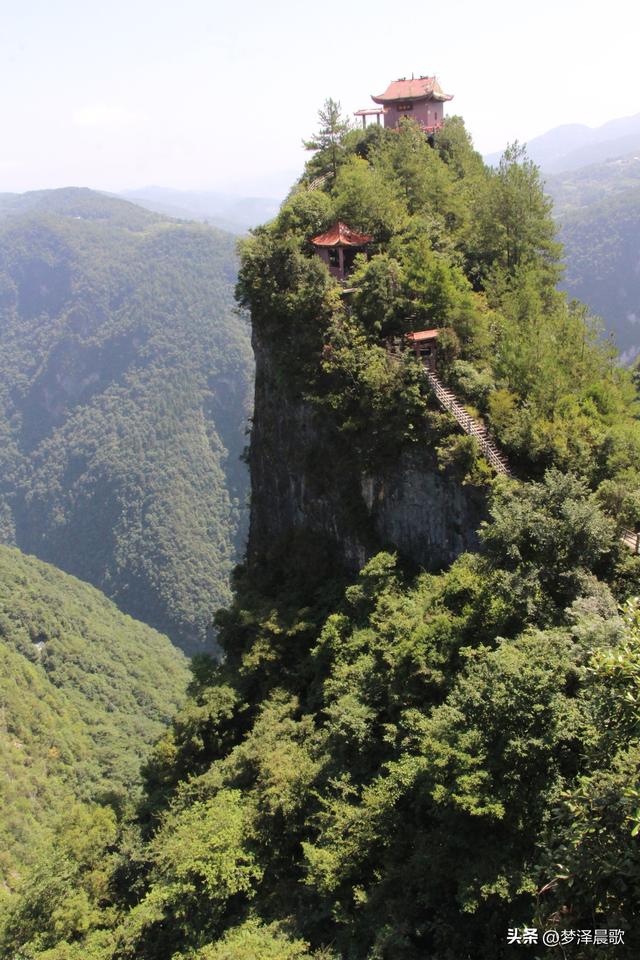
(598, 209)
(574, 190)
(125, 378)
(400, 765)
(84, 691)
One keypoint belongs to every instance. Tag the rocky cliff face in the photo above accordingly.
(305, 479)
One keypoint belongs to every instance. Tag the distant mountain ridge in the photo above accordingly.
(78, 203)
(232, 213)
(575, 145)
(224, 210)
(593, 176)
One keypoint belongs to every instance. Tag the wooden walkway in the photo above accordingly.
(448, 401)
(317, 182)
(469, 424)
(490, 451)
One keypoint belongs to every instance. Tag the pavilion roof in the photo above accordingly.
(421, 335)
(340, 235)
(418, 88)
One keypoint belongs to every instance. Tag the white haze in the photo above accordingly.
(203, 95)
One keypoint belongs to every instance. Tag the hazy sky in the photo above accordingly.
(201, 94)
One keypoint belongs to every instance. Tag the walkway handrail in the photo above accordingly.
(631, 538)
(317, 182)
(468, 423)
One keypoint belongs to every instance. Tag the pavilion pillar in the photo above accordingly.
(341, 262)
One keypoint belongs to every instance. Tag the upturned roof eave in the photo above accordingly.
(341, 235)
(440, 97)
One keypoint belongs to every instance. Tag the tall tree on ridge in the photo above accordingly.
(327, 141)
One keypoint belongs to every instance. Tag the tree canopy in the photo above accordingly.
(400, 764)
(124, 391)
(84, 691)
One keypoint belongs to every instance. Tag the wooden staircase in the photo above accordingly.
(318, 182)
(490, 451)
(448, 401)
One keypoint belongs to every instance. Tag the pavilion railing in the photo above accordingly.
(632, 539)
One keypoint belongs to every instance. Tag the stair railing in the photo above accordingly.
(468, 423)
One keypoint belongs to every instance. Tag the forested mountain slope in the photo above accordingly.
(574, 190)
(602, 245)
(84, 691)
(598, 210)
(124, 390)
(397, 763)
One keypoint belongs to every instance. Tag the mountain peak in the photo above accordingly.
(575, 145)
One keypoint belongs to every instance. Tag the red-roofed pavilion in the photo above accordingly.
(424, 344)
(338, 248)
(420, 98)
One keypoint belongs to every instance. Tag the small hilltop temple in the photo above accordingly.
(420, 98)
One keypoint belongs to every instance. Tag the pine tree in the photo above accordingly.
(328, 140)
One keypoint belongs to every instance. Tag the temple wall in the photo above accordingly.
(427, 112)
